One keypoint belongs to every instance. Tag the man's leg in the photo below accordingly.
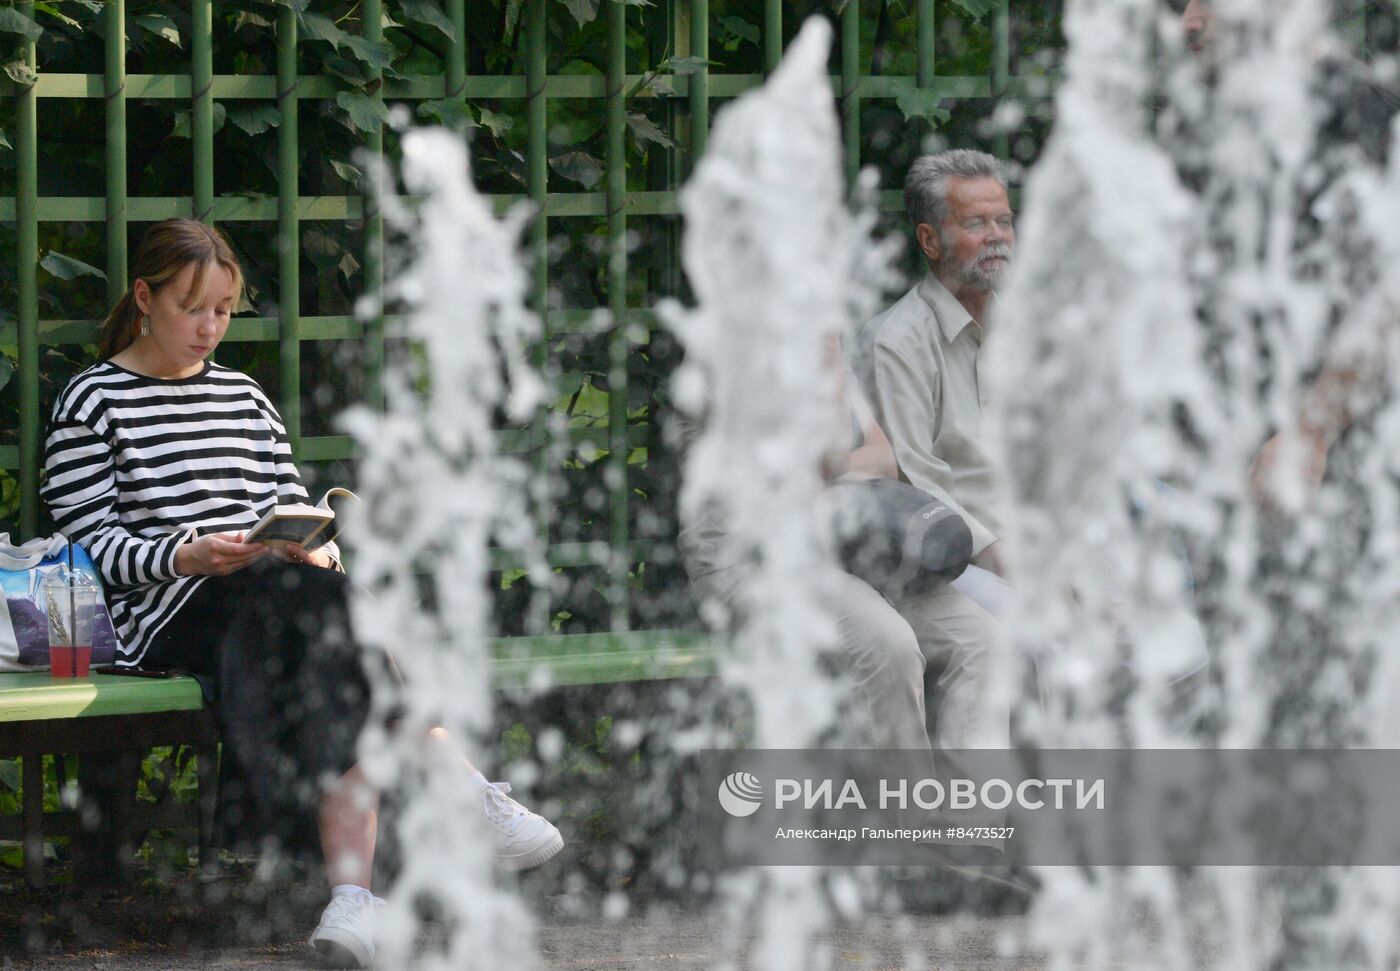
(886, 662)
(874, 644)
(972, 702)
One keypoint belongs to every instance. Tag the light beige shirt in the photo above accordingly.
(920, 363)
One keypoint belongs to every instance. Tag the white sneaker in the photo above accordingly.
(523, 839)
(345, 935)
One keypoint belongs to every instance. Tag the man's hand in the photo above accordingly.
(1288, 470)
(836, 462)
(217, 555)
(990, 559)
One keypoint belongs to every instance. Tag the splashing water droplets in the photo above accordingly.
(437, 494)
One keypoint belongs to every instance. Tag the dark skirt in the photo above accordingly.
(273, 646)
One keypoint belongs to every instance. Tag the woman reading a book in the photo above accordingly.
(158, 461)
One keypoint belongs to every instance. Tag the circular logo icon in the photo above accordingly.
(740, 794)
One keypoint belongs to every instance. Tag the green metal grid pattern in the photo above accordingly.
(689, 22)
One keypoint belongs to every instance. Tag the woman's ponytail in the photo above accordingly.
(120, 327)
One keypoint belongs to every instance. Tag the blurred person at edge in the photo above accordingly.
(158, 461)
(1314, 565)
(1357, 110)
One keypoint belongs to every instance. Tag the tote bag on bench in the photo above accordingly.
(24, 629)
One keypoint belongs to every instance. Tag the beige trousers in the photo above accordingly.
(887, 651)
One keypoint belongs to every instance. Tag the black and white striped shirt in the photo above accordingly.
(137, 465)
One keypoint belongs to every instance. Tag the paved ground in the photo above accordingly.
(234, 921)
(673, 941)
(704, 941)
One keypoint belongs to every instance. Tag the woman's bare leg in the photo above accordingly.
(349, 819)
(348, 816)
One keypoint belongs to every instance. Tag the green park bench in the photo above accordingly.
(113, 720)
(110, 722)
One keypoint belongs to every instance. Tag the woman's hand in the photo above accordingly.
(294, 553)
(217, 555)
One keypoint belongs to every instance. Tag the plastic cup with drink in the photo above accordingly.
(70, 599)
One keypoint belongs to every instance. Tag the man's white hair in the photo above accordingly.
(926, 185)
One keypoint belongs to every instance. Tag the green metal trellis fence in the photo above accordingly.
(688, 28)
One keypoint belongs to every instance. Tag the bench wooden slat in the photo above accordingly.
(552, 660)
(27, 696)
(562, 660)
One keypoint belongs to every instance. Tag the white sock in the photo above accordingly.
(341, 888)
(480, 781)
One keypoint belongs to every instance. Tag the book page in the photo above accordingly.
(336, 492)
(303, 530)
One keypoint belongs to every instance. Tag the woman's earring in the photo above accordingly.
(145, 326)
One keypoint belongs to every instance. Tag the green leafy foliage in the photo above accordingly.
(21, 73)
(184, 120)
(68, 268)
(314, 26)
(376, 55)
(14, 22)
(9, 488)
(10, 806)
(449, 112)
(512, 15)
(354, 72)
(52, 10)
(735, 31)
(160, 25)
(366, 113)
(584, 11)
(427, 12)
(346, 171)
(497, 123)
(918, 104)
(167, 774)
(979, 8)
(9, 774)
(578, 166)
(645, 130)
(517, 744)
(255, 118)
(683, 65)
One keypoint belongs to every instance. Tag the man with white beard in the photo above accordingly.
(920, 361)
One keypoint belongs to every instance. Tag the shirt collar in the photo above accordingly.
(951, 315)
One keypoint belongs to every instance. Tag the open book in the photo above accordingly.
(309, 526)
